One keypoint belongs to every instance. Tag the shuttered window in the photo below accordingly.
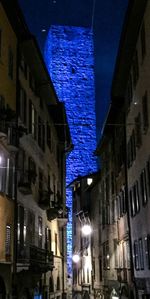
(8, 241)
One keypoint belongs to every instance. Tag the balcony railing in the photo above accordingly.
(36, 258)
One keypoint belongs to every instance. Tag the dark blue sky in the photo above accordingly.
(108, 20)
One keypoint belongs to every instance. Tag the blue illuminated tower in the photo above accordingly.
(69, 57)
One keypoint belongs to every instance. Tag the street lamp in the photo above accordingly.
(76, 258)
(86, 229)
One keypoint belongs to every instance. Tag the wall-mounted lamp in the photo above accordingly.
(76, 258)
(86, 229)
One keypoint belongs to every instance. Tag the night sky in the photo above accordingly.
(108, 20)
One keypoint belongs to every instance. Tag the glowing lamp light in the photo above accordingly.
(89, 181)
(114, 294)
(76, 258)
(86, 229)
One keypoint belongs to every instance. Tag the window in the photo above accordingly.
(145, 112)
(106, 256)
(54, 187)
(41, 103)
(40, 233)
(31, 170)
(74, 276)
(123, 195)
(88, 278)
(43, 137)
(55, 244)
(22, 105)
(2, 173)
(100, 269)
(31, 81)
(135, 69)
(49, 136)
(136, 255)
(121, 203)
(131, 149)
(10, 63)
(148, 174)
(31, 228)
(143, 187)
(25, 227)
(49, 239)
(141, 256)
(132, 203)
(51, 283)
(75, 227)
(8, 242)
(41, 134)
(83, 275)
(23, 65)
(126, 249)
(147, 250)
(58, 283)
(112, 183)
(129, 91)
(0, 43)
(7, 176)
(134, 199)
(20, 230)
(40, 181)
(143, 41)
(107, 188)
(138, 131)
(32, 120)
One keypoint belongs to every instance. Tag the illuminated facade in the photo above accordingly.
(70, 61)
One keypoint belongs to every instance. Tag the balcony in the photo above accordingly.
(41, 259)
(35, 259)
(62, 217)
(44, 199)
(52, 213)
(57, 210)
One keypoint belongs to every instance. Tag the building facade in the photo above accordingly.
(8, 57)
(33, 212)
(83, 240)
(126, 140)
